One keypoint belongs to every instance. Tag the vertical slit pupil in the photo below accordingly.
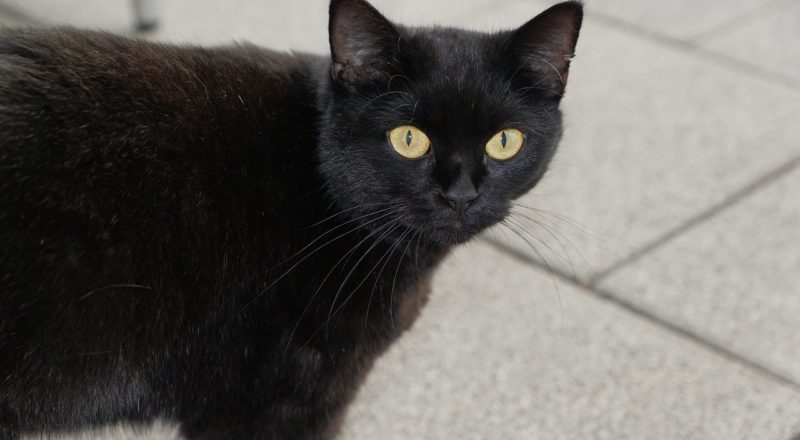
(503, 139)
(408, 138)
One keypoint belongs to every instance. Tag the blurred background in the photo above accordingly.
(648, 288)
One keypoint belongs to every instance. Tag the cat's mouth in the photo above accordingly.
(452, 233)
(447, 228)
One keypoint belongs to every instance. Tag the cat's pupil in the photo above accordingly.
(408, 138)
(503, 139)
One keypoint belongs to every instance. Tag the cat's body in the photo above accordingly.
(184, 315)
(180, 237)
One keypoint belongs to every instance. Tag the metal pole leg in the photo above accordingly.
(146, 14)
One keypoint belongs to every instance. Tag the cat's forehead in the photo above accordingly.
(460, 83)
(450, 49)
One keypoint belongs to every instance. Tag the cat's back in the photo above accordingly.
(82, 84)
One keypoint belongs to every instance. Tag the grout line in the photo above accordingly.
(704, 215)
(747, 18)
(697, 50)
(651, 318)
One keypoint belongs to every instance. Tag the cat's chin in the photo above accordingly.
(451, 235)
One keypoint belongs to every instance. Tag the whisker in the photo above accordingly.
(394, 280)
(564, 256)
(363, 280)
(113, 286)
(551, 272)
(324, 280)
(310, 254)
(371, 101)
(521, 227)
(378, 277)
(397, 75)
(348, 210)
(557, 236)
(355, 266)
(570, 221)
(380, 211)
(547, 89)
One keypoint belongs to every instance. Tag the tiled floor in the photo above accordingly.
(671, 216)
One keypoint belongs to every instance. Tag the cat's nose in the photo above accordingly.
(461, 194)
(460, 203)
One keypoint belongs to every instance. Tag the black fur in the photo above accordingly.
(224, 237)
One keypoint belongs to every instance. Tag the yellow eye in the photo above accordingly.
(409, 141)
(505, 144)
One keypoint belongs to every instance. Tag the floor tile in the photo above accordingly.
(285, 24)
(278, 24)
(684, 19)
(111, 15)
(771, 43)
(734, 280)
(499, 354)
(11, 16)
(653, 137)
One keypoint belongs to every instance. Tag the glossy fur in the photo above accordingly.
(224, 237)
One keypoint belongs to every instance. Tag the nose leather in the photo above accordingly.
(461, 193)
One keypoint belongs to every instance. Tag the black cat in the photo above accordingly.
(228, 237)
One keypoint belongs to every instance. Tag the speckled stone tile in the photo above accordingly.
(771, 42)
(734, 280)
(112, 15)
(500, 354)
(654, 136)
(683, 19)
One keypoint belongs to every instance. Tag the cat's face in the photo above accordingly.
(441, 128)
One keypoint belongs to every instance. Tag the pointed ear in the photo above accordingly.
(363, 42)
(546, 44)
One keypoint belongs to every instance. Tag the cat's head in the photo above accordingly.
(438, 127)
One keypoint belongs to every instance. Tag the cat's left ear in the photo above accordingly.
(363, 42)
(546, 44)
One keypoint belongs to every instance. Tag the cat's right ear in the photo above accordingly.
(363, 43)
